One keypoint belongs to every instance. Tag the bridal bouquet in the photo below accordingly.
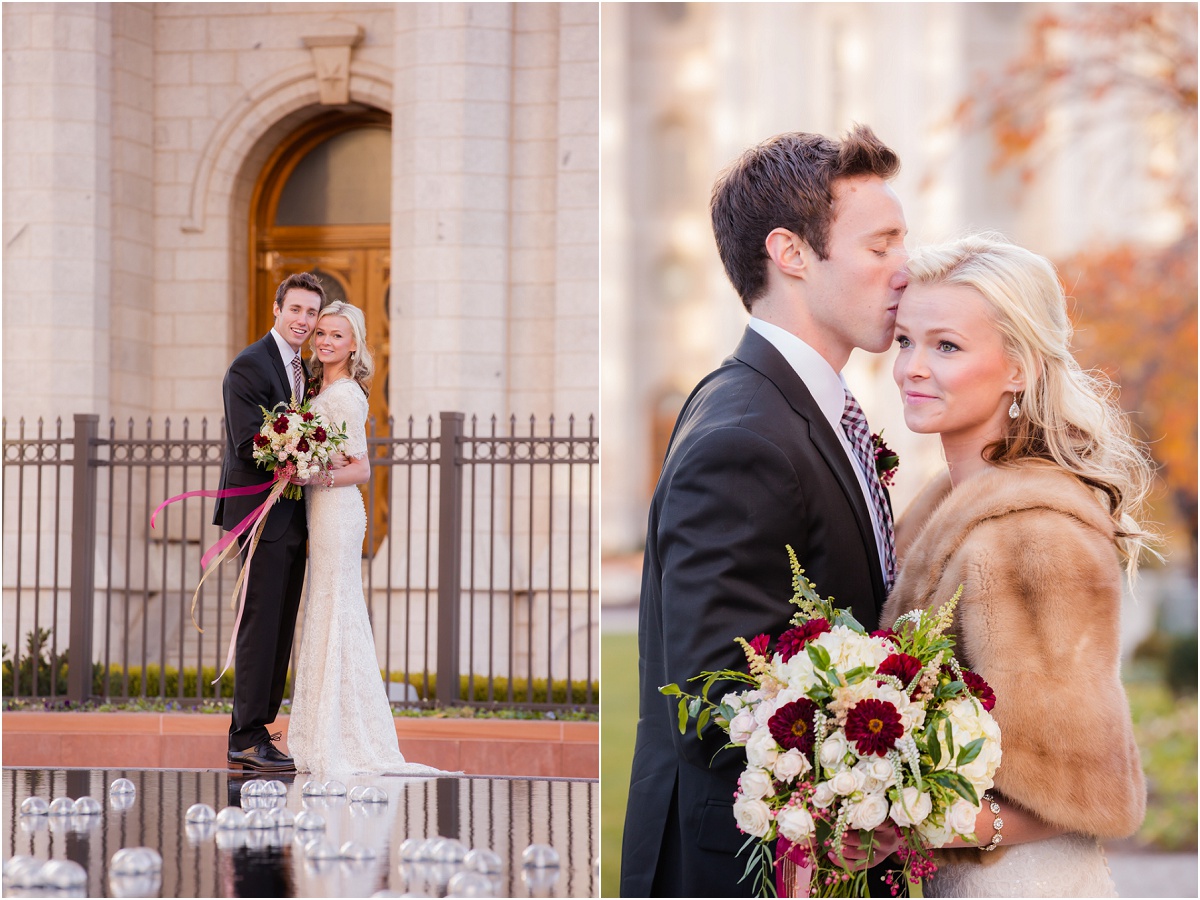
(845, 731)
(296, 442)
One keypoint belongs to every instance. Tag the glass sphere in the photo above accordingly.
(320, 848)
(87, 806)
(231, 838)
(539, 856)
(413, 849)
(485, 861)
(63, 875)
(62, 806)
(274, 788)
(372, 794)
(199, 832)
(22, 872)
(121, 802)
(135, 861)
(231, 817)
(448, 850)
(122, 786)
(252, 788)
(149, 885)
(310, 821)
(313, 789)
(281, 817)
(356, 793)
(200, 813)
(356, 850)
(257, 819)
(335, 789)
(34, 806)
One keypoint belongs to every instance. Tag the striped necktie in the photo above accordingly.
(854, 423)
(297, 380)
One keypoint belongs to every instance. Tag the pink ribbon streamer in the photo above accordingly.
(216, 554)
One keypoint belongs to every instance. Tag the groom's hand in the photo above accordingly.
(863, 852)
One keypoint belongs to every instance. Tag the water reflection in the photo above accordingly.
(298, 845)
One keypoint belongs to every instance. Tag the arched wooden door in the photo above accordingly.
(323, 205)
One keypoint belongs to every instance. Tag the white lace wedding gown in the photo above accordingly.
(341, 720)
(1069, 865)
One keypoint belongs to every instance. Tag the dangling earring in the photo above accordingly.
(1014, 410)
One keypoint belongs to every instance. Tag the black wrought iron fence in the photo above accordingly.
(479, 566)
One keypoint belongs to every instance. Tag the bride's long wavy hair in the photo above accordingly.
(360, 363)
(1067, 416)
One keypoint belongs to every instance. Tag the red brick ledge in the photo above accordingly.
(539, 748)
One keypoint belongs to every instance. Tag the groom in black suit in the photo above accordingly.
(267, 372)
(812, 237)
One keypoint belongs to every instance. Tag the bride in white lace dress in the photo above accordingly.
(341, 720)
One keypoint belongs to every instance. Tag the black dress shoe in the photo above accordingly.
(262, 757)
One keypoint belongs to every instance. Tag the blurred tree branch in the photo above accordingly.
(1135, 302)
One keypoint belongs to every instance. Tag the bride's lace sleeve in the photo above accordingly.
(351, 408)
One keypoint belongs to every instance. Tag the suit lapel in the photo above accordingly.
(285, 383)
(758, 353)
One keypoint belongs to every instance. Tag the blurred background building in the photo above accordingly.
(1071, 128)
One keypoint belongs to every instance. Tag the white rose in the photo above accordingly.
(833, 751)
(933, 834)
(797, 673)
(912, 807)
(823, 795)
(756, 784)
(960, 817)
(791, 764)
(795, 823)
(734, 701)
(742, 727)
(869, 813)
(766, 709)
(881, 769)
(753, 816)
(844, 783)
(761, 749)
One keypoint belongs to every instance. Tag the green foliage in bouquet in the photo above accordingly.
(861, 730)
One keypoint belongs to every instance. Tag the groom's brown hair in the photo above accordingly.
(787, 182)
(305, 281)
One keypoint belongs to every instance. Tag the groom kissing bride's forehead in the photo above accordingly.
(770, 450)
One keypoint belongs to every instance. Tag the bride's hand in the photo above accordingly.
(861, 853)
(338, 460)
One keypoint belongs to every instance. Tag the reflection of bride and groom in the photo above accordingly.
(1034, 517)
(341, 721)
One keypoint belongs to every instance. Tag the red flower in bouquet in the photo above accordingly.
(319, 435)
(901, 665)
(980, 688)
(887, 634)
(874, 726)
(307, 417)
(261, 440)
(281, 425)
(302, 445)
(793, 640)
(792, 725)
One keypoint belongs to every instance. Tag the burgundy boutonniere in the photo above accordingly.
(886, 460)
(312, 387)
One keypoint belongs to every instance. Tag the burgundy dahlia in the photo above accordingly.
(901, 665)
(792, 725)
(980, 688)
(874, 726)
(308, 417)
(261, 440)
(319, 435)
(302, 445)
(759, 644)
(793, 640)
(281, 425)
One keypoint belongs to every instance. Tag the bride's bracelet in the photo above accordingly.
(326, 478)
(997, 823)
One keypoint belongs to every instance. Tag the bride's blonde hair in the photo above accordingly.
(360, 363)
(1067, 416)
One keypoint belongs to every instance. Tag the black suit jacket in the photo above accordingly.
(753, 465)
(256, 379)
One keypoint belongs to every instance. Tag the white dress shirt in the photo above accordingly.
(828, 388)
(286, 353)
